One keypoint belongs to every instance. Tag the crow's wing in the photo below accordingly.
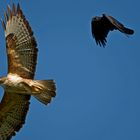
(100, 29)
(119, 26)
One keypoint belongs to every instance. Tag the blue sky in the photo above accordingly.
(98, 91)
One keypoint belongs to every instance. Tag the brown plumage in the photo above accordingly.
(19, 84)
(101, 26)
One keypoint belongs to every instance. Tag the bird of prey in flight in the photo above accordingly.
(101, 26)
(21, 48)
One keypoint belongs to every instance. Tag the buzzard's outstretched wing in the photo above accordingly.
(13, 110)
(22, 55)
(20, 42)
(102, 25)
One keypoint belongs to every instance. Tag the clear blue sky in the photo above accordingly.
(98, 90)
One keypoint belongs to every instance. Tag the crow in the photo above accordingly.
(101, 26)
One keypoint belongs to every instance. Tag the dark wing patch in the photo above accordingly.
(20, 42)
(102, 25)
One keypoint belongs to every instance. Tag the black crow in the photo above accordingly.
(102, 25)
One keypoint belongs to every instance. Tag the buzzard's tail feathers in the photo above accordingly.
(49, 91)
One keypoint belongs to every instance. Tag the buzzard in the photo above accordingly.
(19, 85)
(100, 27)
